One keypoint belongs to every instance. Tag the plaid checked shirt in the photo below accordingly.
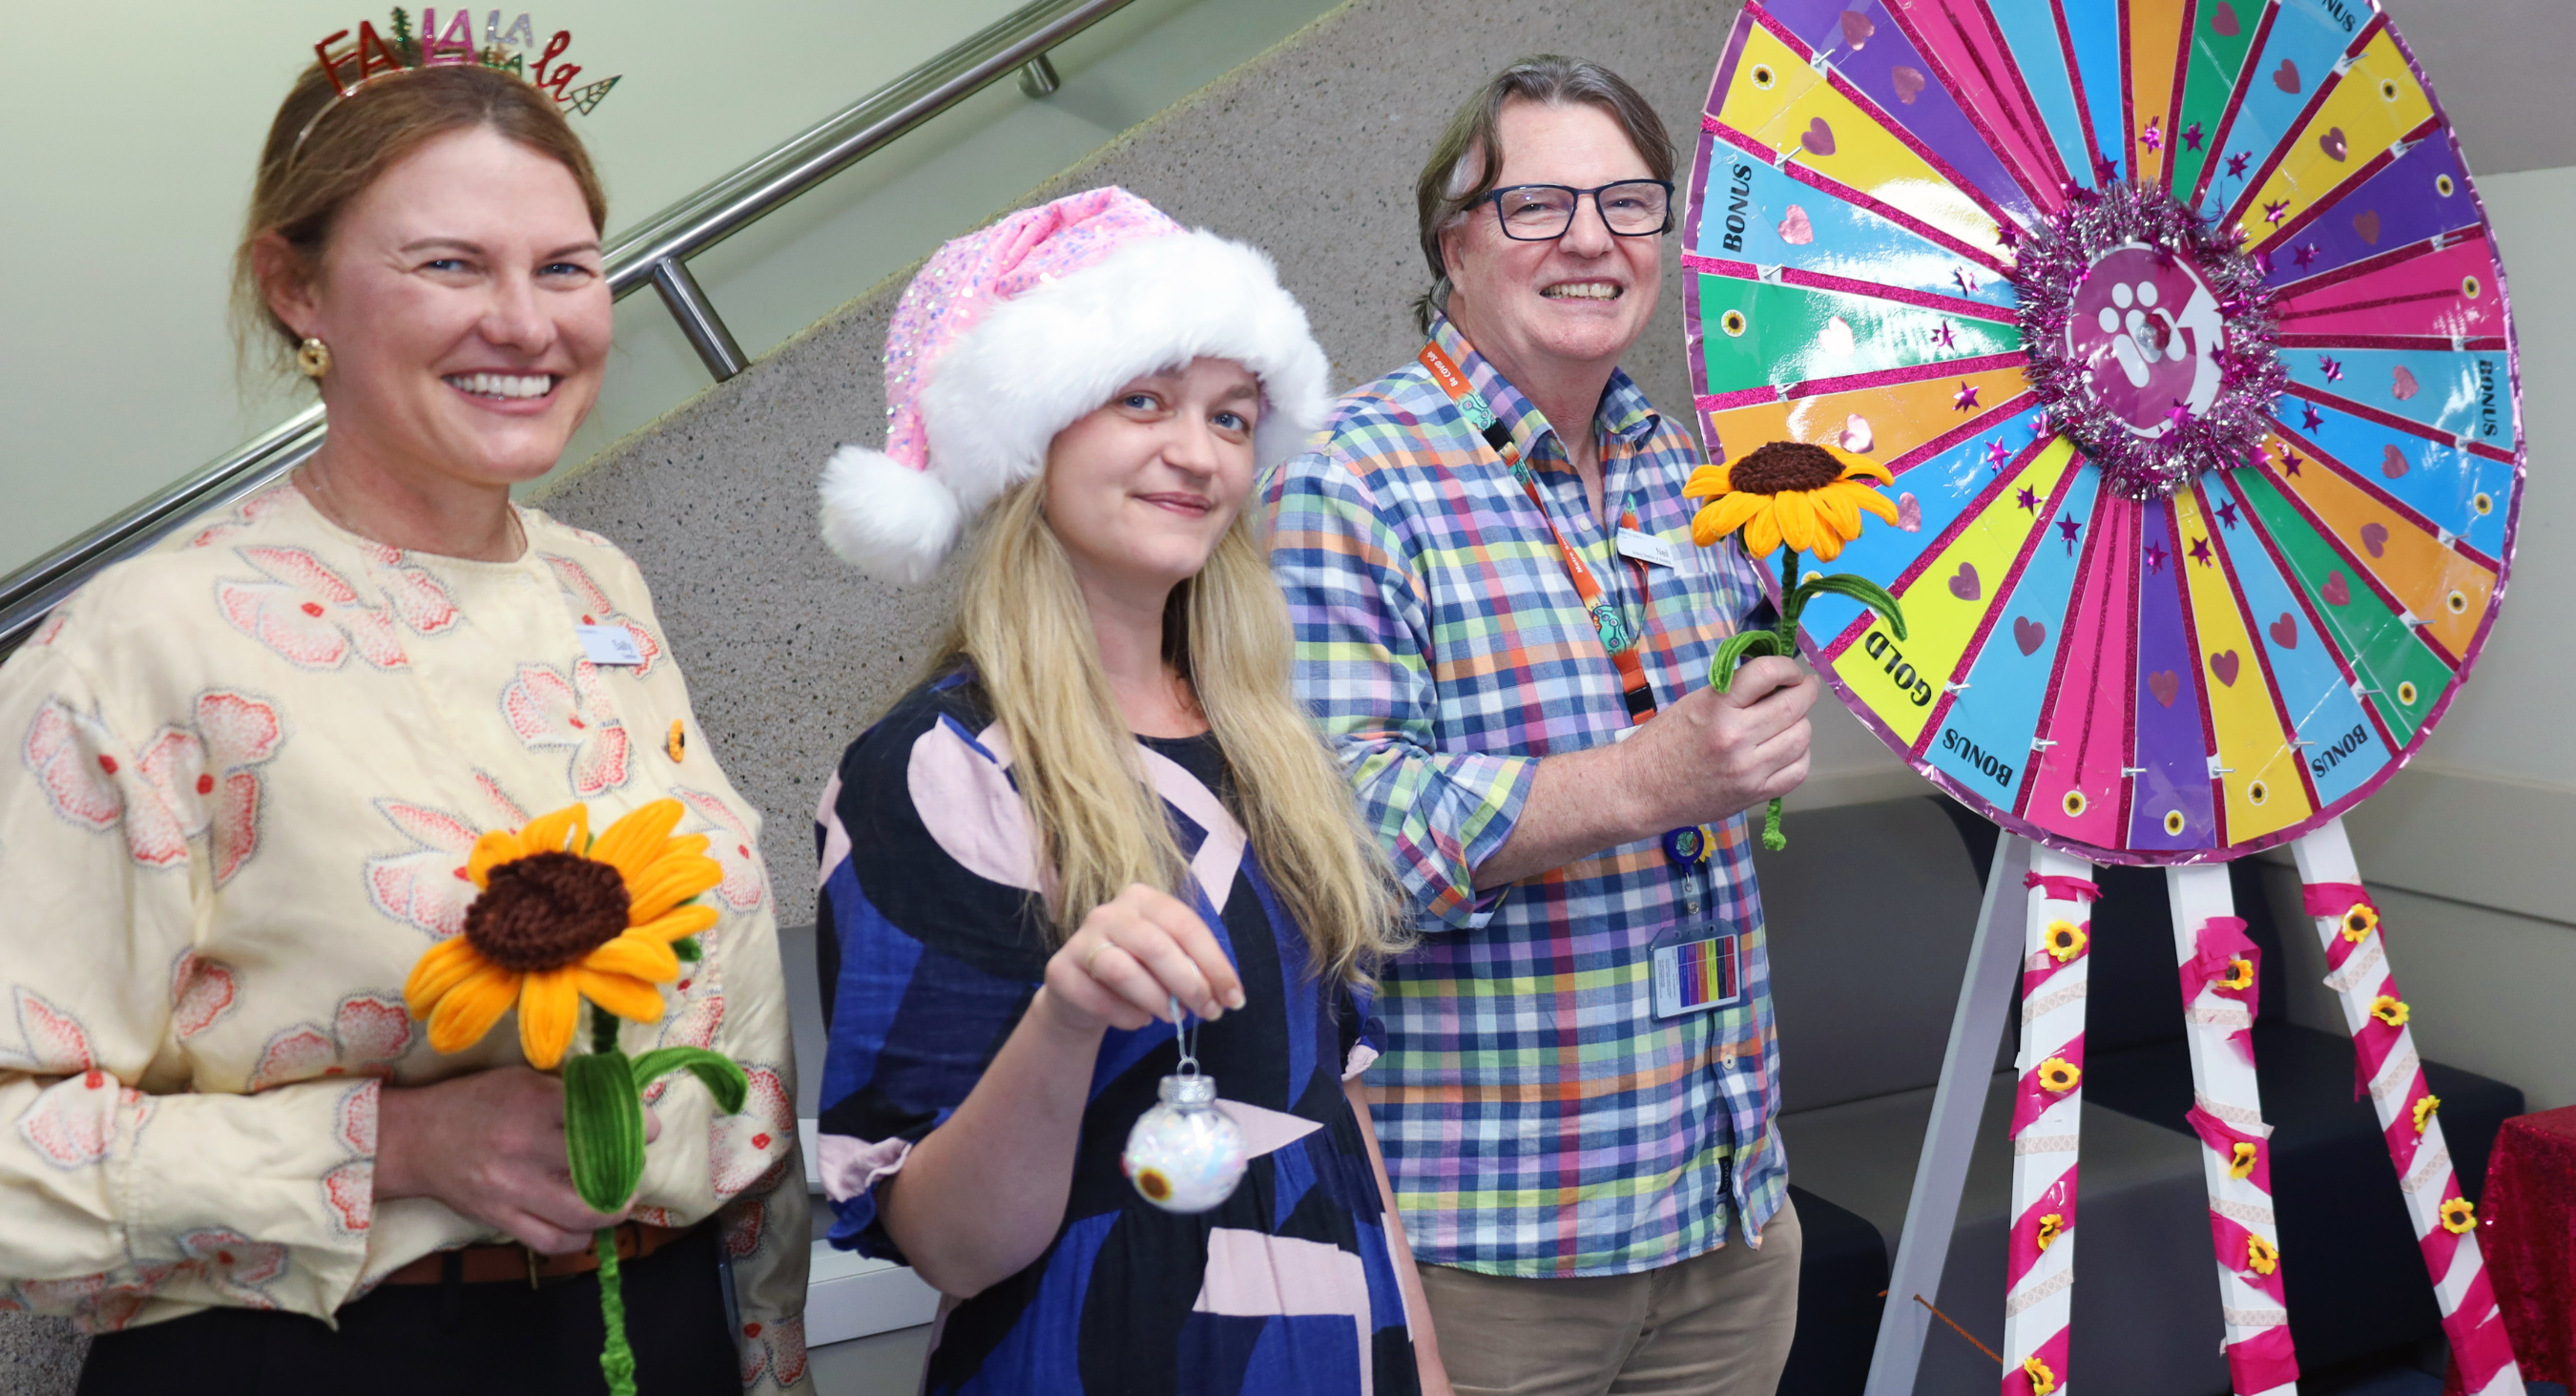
(1537, 1118)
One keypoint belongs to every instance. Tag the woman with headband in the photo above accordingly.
(1099, 858)
(255, 764)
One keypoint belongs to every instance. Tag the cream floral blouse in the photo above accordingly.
(250, 766)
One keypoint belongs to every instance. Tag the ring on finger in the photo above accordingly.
(1090, 955)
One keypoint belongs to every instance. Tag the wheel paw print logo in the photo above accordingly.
(2150, 338)
(2148, 332)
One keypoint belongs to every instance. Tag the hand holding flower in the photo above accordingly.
(1790, 497)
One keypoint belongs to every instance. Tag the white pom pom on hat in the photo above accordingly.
(1012, 333)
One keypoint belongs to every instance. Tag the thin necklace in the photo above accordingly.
(317, 489)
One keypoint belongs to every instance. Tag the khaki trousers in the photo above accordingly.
(1717, 1324)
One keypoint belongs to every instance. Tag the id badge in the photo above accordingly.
(1695, 970)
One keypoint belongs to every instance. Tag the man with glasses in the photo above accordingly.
(1504, 630)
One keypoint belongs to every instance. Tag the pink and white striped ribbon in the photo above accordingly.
(2388, 1069)
(2219, 967)
(2039, 1285)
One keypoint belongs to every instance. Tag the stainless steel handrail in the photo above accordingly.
(653, 253)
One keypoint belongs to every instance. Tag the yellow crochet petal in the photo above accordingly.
(1797, 516)
(678, 922)
(629, 845)
(567, 829)
(629, 998)
(1837, 513)
(1762, 531)
(549, 1009)
(491, 851)
(1707, 482)
(440, 968)
(674, 882)
(1871, 500)
(1724, 515)
(1829, 545)
(1854, 468)
(471, 1008)
(636, 957)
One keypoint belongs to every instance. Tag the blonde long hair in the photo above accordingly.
(1022, 624)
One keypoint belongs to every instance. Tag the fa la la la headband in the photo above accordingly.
(375, 56)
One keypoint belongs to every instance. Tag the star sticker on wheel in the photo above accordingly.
(2191, 136)
(1965, 398)
(1998, 455)
(2309, 417)
(2306, 256)
(2236, 164)
(2028, 499)
(2067, 524)
(2276, 211)
(2227, 513)
(2155, 557)
(1942, 335)
(2200, 552)
(1967, 280)
(2332, 370)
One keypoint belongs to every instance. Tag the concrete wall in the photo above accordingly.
(1309, 152)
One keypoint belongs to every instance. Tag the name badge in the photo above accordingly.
(1646, 548)
(1694, 975)
(611, 646)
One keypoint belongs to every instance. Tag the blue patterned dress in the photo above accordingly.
(933, 942)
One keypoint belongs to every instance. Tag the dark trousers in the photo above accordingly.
(498, 1339)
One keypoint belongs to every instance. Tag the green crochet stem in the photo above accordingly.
(616, 1358)
(1782, 639)
(604, 1144)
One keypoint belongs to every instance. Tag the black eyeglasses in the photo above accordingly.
(1631, 208)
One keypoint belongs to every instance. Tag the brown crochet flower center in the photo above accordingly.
(546, 911)
(1784, 467)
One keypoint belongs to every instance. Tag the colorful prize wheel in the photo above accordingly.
(2181, 327)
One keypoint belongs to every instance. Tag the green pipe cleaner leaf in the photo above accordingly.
(724, 1080)
(1736, 649)
(603, 1128)
(1860, 589)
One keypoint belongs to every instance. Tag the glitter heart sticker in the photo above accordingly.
(1795, 229)
(1818, 137)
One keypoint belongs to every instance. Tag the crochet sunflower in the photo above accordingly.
(1790, 497)
(563, 917)
(1788, 492)
(560, 917)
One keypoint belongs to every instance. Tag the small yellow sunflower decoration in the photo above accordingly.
(2261, 1256)
(560, 917)
(2424, 1107)
(2042, 1380)
(2239, 976)
(2046, 1233)
(2459, 1216)
(2065, 940)
(1790, 497)
(2245, 1157)
(2360, 921)
(2057, 1075)
(563, 917)
(2391, 1011)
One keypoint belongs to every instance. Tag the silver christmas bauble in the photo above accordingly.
(1184, 1155)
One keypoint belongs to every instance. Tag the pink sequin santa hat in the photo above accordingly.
(1010, 334)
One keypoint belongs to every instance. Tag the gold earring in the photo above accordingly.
(312, 358)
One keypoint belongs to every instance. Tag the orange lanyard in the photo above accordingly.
(1616, 637)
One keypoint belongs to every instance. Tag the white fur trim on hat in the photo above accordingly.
(1043, 359)
(885, 518)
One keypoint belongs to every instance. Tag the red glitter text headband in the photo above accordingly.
(374, 56)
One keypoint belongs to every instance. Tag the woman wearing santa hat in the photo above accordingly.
(1100, 831)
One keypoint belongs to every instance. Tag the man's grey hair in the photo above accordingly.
(1469, 157)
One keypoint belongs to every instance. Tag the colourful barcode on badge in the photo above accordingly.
(1699, 974)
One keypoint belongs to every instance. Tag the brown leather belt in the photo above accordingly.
(500, 1264)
